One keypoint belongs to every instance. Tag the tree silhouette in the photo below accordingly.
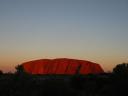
(121, 70)
(1, 72)
(20, 69)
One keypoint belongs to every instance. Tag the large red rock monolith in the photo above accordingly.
(62, 66)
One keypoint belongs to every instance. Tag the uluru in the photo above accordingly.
(61, 66)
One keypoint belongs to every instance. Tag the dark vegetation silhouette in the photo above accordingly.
(106, 84)
(121, 70)
(20, 70)
(1, 72)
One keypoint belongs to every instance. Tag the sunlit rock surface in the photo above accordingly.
(62, 66)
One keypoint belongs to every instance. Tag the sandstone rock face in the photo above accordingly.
(62, 66)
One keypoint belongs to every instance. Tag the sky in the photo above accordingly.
(93, 30)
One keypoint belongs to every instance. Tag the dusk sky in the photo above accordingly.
(93, 30)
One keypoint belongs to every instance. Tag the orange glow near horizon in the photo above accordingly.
(10, 64)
